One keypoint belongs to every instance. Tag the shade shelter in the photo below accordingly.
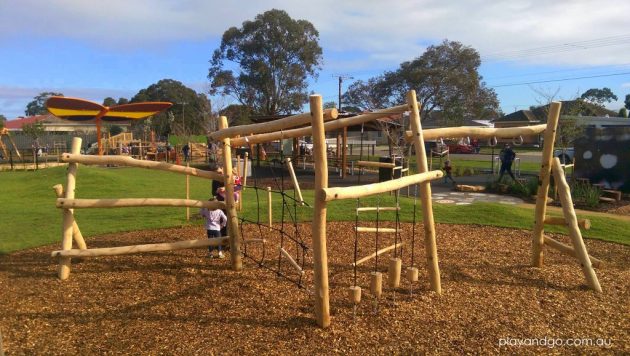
(82, 110)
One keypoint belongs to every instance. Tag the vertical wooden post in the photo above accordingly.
(238, 173)
(320, 254)
(76, 233)
(344, 153)
(296, 184)
(238, 165)
(538, 236)
(187, 193)
(574, 229)
(269, 206)
(425, 195)
(234, 232)
(68, 216)
(245, 171)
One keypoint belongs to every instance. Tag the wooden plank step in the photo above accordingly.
(373, 229)
(379, 209)
(609, 200)
(615, 193)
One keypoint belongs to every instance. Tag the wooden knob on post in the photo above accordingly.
(354, 293)
(376, 284)
(412, 274)
(395, 265)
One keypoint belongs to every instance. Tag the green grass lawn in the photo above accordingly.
(29, 216)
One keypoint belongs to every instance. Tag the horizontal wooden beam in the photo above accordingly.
(373, 229)
(360, 191)
(564, 248)
(379, 208)
(136, 202)
(479, 132)
(248, 241)
(377, 253)
(470, 188)
(329, 126)
(270, 126)
(131, 162)
(557, 220)
(374, 164)
(127, 250)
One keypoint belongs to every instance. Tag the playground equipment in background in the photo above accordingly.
(82, 110)
(323, 195)
(7, 153)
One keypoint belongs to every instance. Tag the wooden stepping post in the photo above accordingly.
(393, 272)
(376, 284)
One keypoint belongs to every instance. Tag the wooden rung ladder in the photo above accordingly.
(374, 229)
(377, 209)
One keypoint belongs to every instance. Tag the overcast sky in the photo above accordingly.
(94, 49)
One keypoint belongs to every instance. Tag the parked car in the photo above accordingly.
(565, 154)
(460, 147)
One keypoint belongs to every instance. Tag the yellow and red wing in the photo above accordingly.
(73, 108)
(81, 110)
(135, 111)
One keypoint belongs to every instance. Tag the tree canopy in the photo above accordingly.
(599, 96)
(3, 120)
(237, 114)
(275, 55)
(38, 105)
(446, 79)
(109, 101)
(34, 130)
(189, 113)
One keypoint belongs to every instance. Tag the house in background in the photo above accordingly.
(584, 114)
(52, 123)
(57, 132)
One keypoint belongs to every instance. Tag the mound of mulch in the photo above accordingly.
(182, 302)
(621, 208)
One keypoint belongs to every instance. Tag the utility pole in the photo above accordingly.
(342, 147)
(184, 118)
(341, 78)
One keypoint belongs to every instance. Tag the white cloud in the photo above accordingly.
(625, 85)
(388, 31)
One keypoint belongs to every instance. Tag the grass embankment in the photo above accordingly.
(29, 216)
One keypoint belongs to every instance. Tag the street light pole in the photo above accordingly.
(184, 117)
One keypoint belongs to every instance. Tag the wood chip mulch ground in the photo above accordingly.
(183, 302)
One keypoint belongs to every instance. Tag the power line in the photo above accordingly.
(559, 48)
(618, 66)
(559, 80)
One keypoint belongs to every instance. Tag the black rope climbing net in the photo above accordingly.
(288, 231)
